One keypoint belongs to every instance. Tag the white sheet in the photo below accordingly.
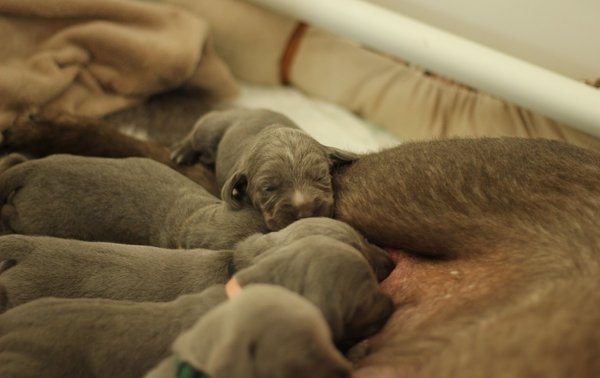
(328, 123)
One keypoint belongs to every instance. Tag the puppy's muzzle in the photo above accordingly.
(298, 207)
(305, 205)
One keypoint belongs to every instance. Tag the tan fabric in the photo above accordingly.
(95, 57)
(409, 103)
(250, 39)
(401, 98)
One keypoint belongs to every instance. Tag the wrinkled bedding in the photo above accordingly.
(330, 124)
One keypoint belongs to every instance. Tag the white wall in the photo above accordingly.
(561, 35)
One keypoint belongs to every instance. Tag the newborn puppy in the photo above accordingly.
(378, 258)
(263, 159)
(332, 275)
(106, 338)
(132, 201)
(35, 266)
(265, 332)
(95, 337)
(329, 273)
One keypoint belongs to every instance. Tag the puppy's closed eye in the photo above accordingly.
(319, 173)
(269, 188)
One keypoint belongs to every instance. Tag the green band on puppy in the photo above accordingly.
(185, 370)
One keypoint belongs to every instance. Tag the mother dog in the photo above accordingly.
(500, 273)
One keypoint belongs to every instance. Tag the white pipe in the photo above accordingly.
(540, 90)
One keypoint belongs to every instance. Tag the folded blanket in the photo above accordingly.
(95, 57)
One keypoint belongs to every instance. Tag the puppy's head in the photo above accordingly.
(332, 275)
(380, 261)
(264, 332)
(286, 175)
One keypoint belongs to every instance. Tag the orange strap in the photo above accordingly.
(232, 288)
(290, 52)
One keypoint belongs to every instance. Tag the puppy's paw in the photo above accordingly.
(11, 160)
(184, 153)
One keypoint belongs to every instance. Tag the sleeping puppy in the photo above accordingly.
(284, 336)
(379, 259)
(53, 336)
(330, 273)
(35, 266)
(96, 337)
(131, 200)
(263, 159)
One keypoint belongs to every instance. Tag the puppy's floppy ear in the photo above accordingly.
(371, 310)
(339, 157)
(228, 358)
(234, 190)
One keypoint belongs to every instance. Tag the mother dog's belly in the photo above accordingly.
(431, 298)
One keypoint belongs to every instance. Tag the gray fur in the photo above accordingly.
(378, 258)
(35, 266)
(330, 273)
(132, 200)
(95, 337)
(41, 266)
(263, 159)
(106, 338)
(284, 336)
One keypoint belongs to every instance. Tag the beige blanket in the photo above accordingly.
(95, 57)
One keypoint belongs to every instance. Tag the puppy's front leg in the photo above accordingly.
(202, 143)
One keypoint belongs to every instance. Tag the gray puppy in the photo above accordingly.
(378, 258)
(107, 338)
(35, 266)
(132, 200)
(331, 274)
(284, 336)
(263, 159)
